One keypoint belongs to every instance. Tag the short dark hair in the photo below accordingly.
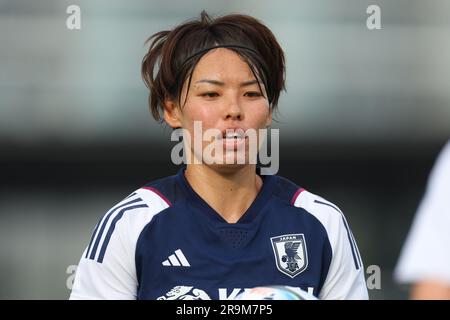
(175, 53)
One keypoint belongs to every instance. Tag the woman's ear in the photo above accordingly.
(172, 114)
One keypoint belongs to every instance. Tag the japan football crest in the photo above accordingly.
(290, 253)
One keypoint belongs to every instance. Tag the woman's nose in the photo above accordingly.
(234, 109)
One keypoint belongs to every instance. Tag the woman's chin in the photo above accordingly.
(228, 167)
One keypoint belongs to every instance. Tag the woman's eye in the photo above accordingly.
(253, 94)
(210, 94)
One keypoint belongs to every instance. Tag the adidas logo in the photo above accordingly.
(176, 260)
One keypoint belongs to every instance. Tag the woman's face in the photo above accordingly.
(223, 95)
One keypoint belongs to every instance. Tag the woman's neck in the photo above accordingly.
(229, 192)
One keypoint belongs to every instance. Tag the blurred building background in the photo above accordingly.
(364, 116)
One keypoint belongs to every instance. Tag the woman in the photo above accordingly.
(218, 227)
(425, 259)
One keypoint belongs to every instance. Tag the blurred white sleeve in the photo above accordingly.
(425, 254)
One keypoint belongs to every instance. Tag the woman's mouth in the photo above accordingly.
(233, 139)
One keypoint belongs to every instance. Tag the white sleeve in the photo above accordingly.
(345, 278)
(107, 268)
(425, 254)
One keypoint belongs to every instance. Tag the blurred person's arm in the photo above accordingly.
(430, 289)
(425, 259)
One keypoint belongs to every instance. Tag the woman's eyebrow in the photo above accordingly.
(220, 83)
